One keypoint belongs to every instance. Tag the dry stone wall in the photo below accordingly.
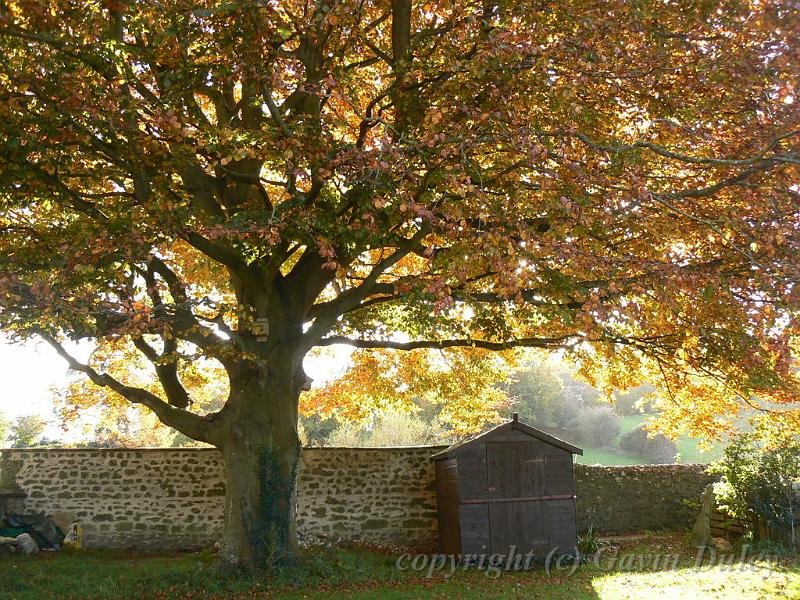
(122, 498)
(638, 497)
(370, 494)
(173, 498)
(157, 498)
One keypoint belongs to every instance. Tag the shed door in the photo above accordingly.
(530, 486)
(516, 477)
(515, 469)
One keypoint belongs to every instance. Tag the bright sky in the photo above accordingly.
(28, 371)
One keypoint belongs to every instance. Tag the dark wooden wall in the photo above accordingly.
(447, 506)
(511, 489)
(474, 511)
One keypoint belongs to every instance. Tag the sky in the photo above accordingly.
(28, 373)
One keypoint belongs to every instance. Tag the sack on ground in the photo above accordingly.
(26, 544)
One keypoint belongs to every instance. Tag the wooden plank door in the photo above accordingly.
(560, 488)
(561, 527)
(521, 525)
(515, 469)
(515, 473)
(472, 494)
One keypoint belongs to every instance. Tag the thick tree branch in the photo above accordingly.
(184, 322)
(184, 421)
(326, 313)
(401, 58)
(698, 160)
(551, 343)
(166, 367)
(353, 296)
(225, 256)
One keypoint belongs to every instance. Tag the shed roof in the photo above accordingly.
(514, 423)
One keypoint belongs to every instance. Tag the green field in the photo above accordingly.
(656, 567)
(613, 455)
(608, 456)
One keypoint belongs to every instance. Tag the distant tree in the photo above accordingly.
(576, 399)
(546, 395)
(315, 429)
(658, 447)
(4, 426)
(394, 428)
(579, 392)
(630, 402)
(537, 395)
(27, 431)
(130, 428)
(429, 410)
(598, 426)
(348, 435)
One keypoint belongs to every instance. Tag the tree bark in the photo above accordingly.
(261, 450)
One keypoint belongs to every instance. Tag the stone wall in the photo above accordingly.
(372, 494)
(122, 498)
(148, 498)
(638, 497)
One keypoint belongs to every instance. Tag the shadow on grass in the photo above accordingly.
(89, 574)
(350, 573)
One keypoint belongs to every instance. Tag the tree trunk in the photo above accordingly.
(261, 451)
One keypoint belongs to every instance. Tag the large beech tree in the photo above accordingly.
(245, 181)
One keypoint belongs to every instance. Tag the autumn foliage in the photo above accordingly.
(245, 181)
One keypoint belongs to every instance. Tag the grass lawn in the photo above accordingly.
(624, 571)
(608, 456)
(689, 453)
(687, 448)
(628, 423)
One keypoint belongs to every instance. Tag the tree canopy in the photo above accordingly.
(245, 181)
(26, 431)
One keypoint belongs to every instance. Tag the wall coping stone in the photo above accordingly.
(432, 447)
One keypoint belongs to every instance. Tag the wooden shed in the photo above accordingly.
(510, 486)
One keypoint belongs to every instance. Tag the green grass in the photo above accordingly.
(613, 455)
(690, 453)
(628, 423)
(361, 573)
(608, 456)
